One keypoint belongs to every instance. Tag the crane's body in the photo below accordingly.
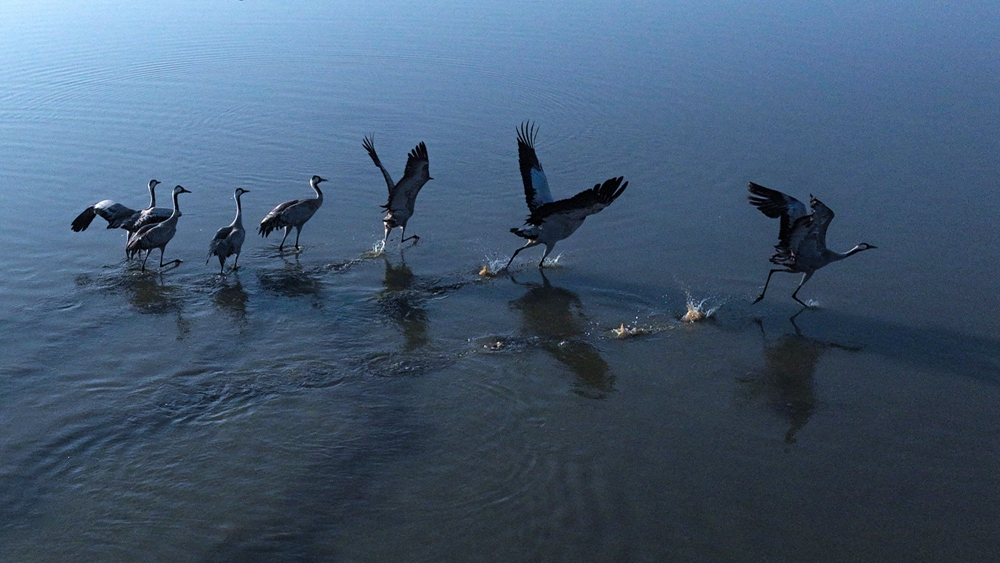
(157, 235)
(801, 244)
(402, 194)
(228, 240)
(120, 217)
(552, 221)
(293, 213)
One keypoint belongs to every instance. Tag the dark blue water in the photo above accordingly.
(340, 404)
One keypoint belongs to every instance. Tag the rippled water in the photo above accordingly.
(339, 405)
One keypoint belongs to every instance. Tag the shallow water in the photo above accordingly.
(335, 405)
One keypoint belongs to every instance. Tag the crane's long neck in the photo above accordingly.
(835, 256)
(238, 221)
(152, 196)
(177, 209)
(315, 187)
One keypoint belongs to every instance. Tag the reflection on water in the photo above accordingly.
(555, 316)
(146, 292)
(232, 299)
(787, 383)
(401, 303)
(292, 281)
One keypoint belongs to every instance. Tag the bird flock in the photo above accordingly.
(801, 244)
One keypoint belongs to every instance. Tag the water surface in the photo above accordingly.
(332, 405)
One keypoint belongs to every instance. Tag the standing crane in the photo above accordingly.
(552, 221)
(120, 217)
(402, 195)
(293, 213)
(228, 240)
(157, 235)
(801, 244)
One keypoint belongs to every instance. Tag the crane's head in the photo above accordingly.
(181, 190)
(316, 180)
(153, 183)
(241, 191)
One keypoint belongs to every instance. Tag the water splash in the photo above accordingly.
(697, 310)
(493, 267)
(377, 249)
(552, 262)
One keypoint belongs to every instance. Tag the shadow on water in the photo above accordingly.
(930, 349)
(555, 317)
(787, 384)
(402, 303)
(232, 298)
(292, 281)
(146, 292)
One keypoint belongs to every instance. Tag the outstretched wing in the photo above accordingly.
(369, 145)
(536, 186)
(112, 212)
(775, 204)
(415, 175)
(582, 204)
(821, 217)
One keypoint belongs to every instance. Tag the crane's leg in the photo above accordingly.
(222, 265)
(404, 239)
(298, 231)
(528, 245)
(236, 261)
(769, 274)
(175, 262)
(144, 261)
(385, 238)
(287, 230)
(805, 278)
(548, 249)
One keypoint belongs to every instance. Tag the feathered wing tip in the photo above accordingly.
(610, 190)
(770, 202)
(369, 145)
(526, 134)
(84, 219)
(419, 152)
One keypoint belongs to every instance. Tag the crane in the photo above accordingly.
(552, 221)
(801, 244)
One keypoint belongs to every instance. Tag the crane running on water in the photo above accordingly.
(402, 195)
(229, 240)
(293, 213)
(157, 235)
(801, 244)
(120, 217)
(552, 221)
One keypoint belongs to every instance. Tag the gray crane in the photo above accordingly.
(552, 221)
(228, 240)
(801, 244)
(120, 217)
(402, 195)
(157, 235)
(293, 213)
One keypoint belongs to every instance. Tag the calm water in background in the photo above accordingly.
(334, 406)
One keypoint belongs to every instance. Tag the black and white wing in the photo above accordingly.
(536, 186)
(582, 204)
(775, 205)
(219, 243)
(273, 220)
(416, 174)
(369, 145)
(112, 212)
